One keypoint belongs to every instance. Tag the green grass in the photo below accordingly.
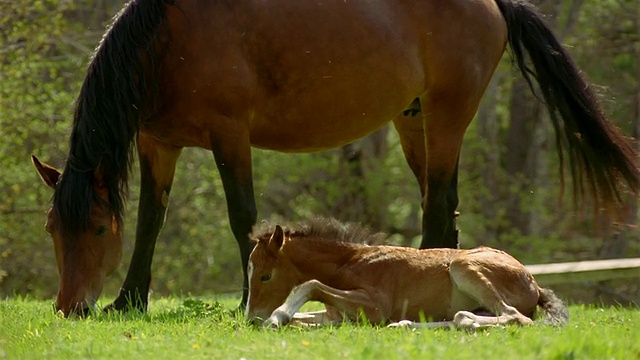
(208, 329)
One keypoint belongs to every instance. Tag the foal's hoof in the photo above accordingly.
(466, 320)
(276, 320)
(401, 324)
(271, 323)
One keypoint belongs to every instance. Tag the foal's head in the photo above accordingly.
(274, 271)
(271, 276)
(86, 258)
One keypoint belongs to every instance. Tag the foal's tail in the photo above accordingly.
(555, 312)
(598, 155)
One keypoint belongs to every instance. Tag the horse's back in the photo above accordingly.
(314, 75)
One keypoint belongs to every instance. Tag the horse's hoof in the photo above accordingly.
(127, 307)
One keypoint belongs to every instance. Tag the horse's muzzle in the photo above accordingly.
(81, 311)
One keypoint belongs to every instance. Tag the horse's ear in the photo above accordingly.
(276, 240)
(48, 173)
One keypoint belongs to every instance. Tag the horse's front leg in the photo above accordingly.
(157, 168)
(351, 303)
(232, 151)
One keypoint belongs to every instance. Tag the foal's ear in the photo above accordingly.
(276, 240)
(48, 173)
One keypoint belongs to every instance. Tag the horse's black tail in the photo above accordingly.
(598, 155)
(555, 311)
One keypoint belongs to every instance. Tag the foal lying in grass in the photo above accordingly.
(326, 261)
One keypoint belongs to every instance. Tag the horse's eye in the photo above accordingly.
(265, 277)
(101, 231)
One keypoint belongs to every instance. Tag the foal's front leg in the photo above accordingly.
(321, 317)
(347, 302)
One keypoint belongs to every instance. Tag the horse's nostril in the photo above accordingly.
(58, 311)
(80, 310)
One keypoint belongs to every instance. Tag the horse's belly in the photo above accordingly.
(306, 135)
(327, 79)
(312, 113)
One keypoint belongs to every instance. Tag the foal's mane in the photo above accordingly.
(325, 229)
(117, 91)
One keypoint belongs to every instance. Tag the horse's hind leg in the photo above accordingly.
(157, 168)
(433, 157)
(446, 115)
(412, 138)
(438, 223)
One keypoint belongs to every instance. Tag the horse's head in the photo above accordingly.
(84, 259)
(271, 276)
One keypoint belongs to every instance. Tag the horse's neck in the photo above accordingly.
(319, 259)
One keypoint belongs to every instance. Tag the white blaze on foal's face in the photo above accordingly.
(250, 276)
(271, 276)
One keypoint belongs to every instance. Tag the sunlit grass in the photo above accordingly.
(210, 328)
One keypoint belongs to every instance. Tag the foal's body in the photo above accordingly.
(391, 284)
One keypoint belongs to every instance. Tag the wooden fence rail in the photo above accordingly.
(581, 271)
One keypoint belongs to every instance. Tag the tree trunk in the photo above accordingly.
(521, 154)
(489, 169)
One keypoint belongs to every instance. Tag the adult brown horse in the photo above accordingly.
(324, 260)
(295, 76)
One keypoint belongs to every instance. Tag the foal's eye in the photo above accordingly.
(101, 231)
(265, 277)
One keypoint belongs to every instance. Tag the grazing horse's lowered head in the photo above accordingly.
(94, 252)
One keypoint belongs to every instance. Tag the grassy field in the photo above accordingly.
(208, 329)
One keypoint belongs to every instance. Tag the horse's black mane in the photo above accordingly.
(326, 229)
(117, 90)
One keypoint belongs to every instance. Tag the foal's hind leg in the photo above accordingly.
(496, 285)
